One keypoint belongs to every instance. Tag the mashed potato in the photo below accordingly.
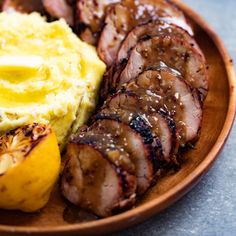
(47, 74)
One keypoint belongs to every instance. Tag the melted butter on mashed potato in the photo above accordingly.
(47, 74)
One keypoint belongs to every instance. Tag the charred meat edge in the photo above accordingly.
(134, 145)
(164, 91)
(153, 128)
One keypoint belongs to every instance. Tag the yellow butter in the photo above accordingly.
(19, 63)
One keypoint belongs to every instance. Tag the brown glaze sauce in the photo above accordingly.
(146, 31)
(116, 154)
(88, 184)
(170, 52)
(127, 108)
(124, 16)
(159, 94)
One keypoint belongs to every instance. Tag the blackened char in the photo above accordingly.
(133, 143)
(153, 128)
(166, 92)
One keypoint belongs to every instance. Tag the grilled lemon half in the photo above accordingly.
(29, 167)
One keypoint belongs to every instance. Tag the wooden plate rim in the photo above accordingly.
(148, 209)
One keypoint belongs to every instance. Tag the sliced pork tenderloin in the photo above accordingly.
(133, 143)
(155, 130)
(91, 182)
(168, 52)
(145, 31)
(166, 92)
(98, 175)
(140, 33)
(122, 17)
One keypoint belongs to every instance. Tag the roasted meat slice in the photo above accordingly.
(59, 9)
(123, 16)
(169, 94)
(22, 6)
(145, 31)
(90, 16)
(156, 131)
(141, 32)
(172, 52)
(98, 175)
(133, 143)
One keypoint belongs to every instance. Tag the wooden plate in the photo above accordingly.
(60, 219)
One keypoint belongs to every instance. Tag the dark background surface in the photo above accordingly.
(210, 208)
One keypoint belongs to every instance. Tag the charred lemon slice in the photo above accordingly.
(29, 167)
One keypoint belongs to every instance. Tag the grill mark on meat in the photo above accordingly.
(140, 125)
(133, 144)
(164, 92)
(149, 124)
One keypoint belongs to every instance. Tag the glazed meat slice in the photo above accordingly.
(141, 32)
(172, 52)
(133, 143)
(98, 175)
(122, 17)
(90, 18)
(59, 9)
(157, 132)
(149, 30)
(167, 92)
(22, 6)
(115, 154)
